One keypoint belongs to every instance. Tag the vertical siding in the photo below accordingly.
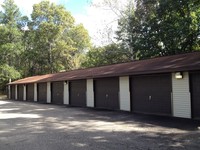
(48, 92)
(66, 93)
(90, 93)
(35, 92)
(16, 92)
(124, 94)
(181, 96)
(24, 92)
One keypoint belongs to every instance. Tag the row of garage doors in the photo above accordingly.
(149, 93)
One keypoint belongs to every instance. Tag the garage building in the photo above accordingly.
(168, 85)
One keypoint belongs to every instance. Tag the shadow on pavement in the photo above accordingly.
(45, 126)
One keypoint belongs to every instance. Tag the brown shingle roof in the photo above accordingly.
(182, 62)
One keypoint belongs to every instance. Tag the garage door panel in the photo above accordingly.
(78, 99)
(42, 92)
(12, 92)
(30, 92)
(195, 93)
(100, 100)
(107, 93)
(78, 93)
(113, 100)
(151, 94)
(57, 92)
(20, 92)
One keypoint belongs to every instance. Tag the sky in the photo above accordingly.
(100, 22)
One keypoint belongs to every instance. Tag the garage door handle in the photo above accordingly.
(106, 95)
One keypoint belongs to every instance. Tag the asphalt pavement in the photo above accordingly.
(32, 126)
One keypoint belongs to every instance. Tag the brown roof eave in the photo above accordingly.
(115, 75)
(166, 64)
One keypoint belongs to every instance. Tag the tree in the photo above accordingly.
(55, 37)
(105, 55)
(11, 48)
(50, 42)
(159, 27)
(10, 33)
(179, 20)
(6, 73)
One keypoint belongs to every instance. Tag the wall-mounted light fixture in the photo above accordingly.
(179, 75)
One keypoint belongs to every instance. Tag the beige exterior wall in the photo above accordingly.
(90, 93)
(181, 103)
(24, 92)
(48, 92)
(15, 91)
(35, 92)
(66, 93)
(124, 95)
(9, 93)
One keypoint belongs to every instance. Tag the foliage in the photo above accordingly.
(55, 39)
(109, 54)
(49, 42)
(159, 27)
(11, 48)
(7, 72)
(52, 42)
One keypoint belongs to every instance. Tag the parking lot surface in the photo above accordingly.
(32, 126)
